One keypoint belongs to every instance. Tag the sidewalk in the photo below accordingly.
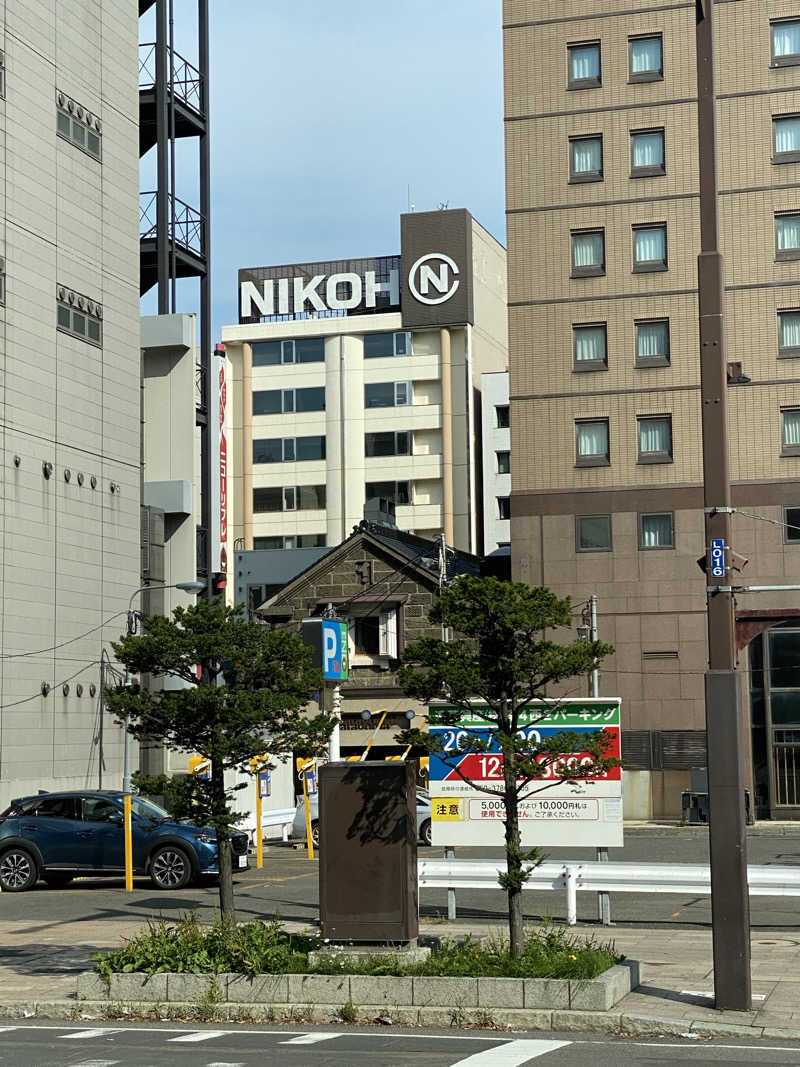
(39, 962)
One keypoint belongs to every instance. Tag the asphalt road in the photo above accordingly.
(59, 1045)
(288, 886)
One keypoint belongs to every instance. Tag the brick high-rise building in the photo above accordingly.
(603, 237)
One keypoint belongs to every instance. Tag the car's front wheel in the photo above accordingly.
(425, 832)
(18, 871)
(315, 833)
(170, 867)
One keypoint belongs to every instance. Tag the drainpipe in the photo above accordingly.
(447, 439)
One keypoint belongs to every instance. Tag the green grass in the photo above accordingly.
(265, 948)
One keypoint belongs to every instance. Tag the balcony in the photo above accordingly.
(187, 92)
(185, 233)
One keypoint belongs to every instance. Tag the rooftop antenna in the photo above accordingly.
(444, 205)
(411, 205)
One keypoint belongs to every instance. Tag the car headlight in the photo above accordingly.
(207, 839)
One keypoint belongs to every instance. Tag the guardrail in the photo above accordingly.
(283, 817)
(575, 877)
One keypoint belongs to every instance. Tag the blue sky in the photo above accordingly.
(325, 113)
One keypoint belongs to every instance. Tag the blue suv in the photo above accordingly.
(59, 836)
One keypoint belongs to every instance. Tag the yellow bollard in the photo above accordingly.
(309, 839)
(259, 833)
(128, 844)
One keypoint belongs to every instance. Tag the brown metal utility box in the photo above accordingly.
(368, 851)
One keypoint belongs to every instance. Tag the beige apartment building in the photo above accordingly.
(358, 383)
(603, 237)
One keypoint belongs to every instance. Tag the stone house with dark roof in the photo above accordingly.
(383, 581)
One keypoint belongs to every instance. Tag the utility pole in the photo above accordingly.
(730, 903)
(601, 854)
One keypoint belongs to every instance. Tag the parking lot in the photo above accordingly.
(287, 886)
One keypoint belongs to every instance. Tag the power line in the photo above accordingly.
(764, 518)
(54, 648)
(27, 700)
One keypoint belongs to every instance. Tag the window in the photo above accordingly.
(372, 633)
(504, 507)
(652, 343)
(503, 462)
(377, 345)
(387, 394)
(657, 530)
(591, 443)
(647, 153)
(787, 236)
(583, 65)
(100, 809)
(502, 420)
(786, 139)
(790, 432)
(586, 159)
(79, 316)
(646, 58)
(786, 43)
(593, 533)
(57, 808)
(655, 439)
(649, 248)
(276, 353)
(397, 492)
(388, 443)
(289, 498)
(290, 541)
(277, 401)
(277, 450)
(789, 333)
(78, 125)
(589, 347)
(791, 529)
(588, 253)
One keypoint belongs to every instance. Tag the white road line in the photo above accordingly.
(97, 1063)
(511, 1054)
(87, 1035)
(5, 1029)
(216, 1064)
(201, 1035)
(310, 1039)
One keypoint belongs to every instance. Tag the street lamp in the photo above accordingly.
(192, 586)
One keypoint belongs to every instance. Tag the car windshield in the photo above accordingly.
(147, 809)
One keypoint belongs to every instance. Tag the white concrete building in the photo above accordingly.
(360, 380)
(70, 470)
(496, 461)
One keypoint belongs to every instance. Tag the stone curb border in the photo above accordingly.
(567, 1021)
(373, 992)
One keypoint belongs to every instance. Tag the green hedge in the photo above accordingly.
(265, 948)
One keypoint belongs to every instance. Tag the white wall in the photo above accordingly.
(70, 551)
(496, 531)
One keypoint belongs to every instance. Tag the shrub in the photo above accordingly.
(265, 948)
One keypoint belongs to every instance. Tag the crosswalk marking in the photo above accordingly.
(310, 1039)
(216, 1064)
(87, 1035)
(511, 1054)
(97, 1063)
(201, 1035)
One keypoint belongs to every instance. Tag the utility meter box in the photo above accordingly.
(368, 852)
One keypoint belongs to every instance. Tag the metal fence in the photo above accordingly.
(572, 878)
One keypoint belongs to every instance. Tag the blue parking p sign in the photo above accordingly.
(327, 639)
(717, 558)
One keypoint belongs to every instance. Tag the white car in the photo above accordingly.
(299, 824)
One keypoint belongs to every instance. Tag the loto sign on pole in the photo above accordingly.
(553, 812)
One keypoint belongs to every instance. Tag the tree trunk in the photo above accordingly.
(219, 807)
(514, 873)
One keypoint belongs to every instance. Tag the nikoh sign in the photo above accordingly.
(554, 812)
(333, 292)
